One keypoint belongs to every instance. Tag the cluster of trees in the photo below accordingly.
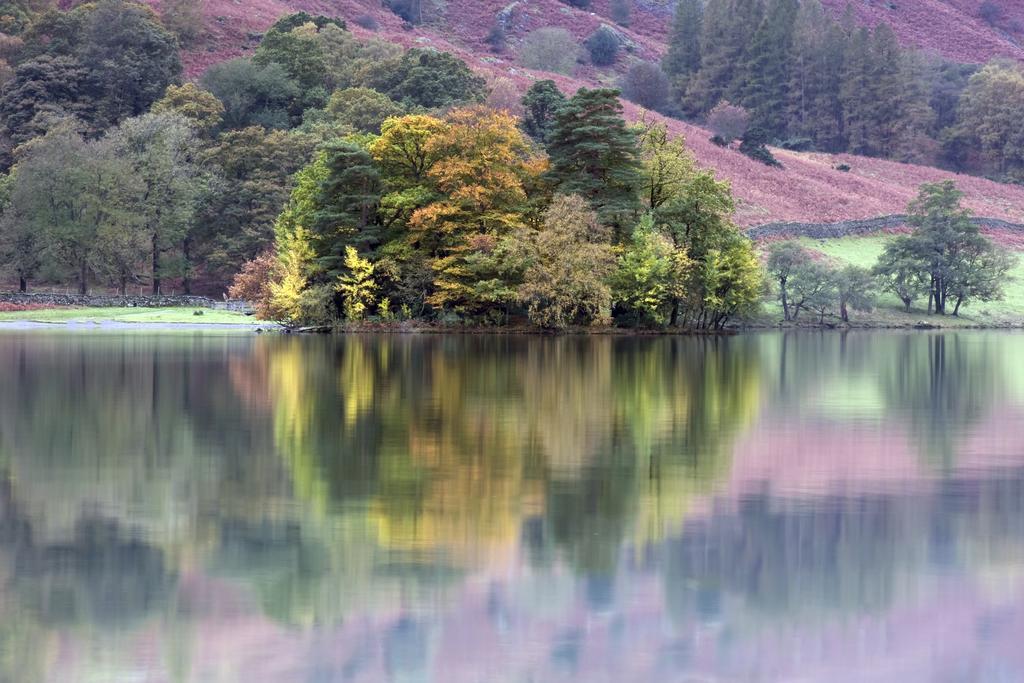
(167, 185)
(944, 257)
(465, 217)
(809, 81)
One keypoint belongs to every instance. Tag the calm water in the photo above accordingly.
(812, 507)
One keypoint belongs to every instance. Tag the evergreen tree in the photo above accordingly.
(540, 103)
(682, 60)
(346, 201)
(593, 154)
(856, 93)
(816, 71)
(729, 27)
(766, 82)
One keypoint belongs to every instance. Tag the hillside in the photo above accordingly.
(807, 189)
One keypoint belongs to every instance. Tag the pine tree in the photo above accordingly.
(729, 26)
(540, 103)
(816, 65)
(682, 60)
(856, 93)
(766, 78)
(593, 154)
(345, 202)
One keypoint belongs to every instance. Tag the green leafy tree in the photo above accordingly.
(899, 271)
(163, 153)
(647, 85)
(202, 109)
(622, 11)
(783, 259)
(989, 117)
(431, 79)
(856, 289)
(21, 247)
(650, 276)
(252, 94)
(540, 103)
(594, 155)
(299, 53)
(362, 108)
(813, 286)
(45, 91)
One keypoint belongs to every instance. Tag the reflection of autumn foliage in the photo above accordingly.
(450, 445)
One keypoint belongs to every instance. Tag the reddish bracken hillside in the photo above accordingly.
(808, 188)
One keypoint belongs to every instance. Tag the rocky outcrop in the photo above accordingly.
(856, 227)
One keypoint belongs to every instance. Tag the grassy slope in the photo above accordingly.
(129, 315)
(864, 251)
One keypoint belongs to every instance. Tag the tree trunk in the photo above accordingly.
(83, 278)
(674, 319)
(843, 314)
(156, 267)
(906, 305)
(123, 288)
(785, 300)
(22, 284)
(186, 281)
(956, 309)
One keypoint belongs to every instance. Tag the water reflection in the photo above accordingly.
(203, 508)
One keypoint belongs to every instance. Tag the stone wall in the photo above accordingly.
(856, 227)
(130, 301)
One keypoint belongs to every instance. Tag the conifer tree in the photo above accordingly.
(729, 26)
(766, 81)
(816, 69)
(593, 154)
(856, 93)
(682, 60)
(345, 201)
(540, 103)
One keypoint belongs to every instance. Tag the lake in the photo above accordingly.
(216, 507)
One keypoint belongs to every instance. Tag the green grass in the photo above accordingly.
(864, 251)
(151, 316)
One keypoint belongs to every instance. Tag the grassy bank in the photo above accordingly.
(161, 316)
(864, 251)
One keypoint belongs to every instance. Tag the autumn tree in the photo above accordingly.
(200, 107)
(570, 262)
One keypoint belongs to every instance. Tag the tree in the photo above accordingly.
(202, 109)
(767, 78)
(252, 283)
(431, 79)
(730, 281)
(819, 44)
(540, 103)
(647, 85)
(603, 46)
(21, 247)
(728, 121)
(163, 151)
(650, 276)
(356, 285)
(183, 18)
(345, 206)
(814, 288)
(989, 116)
(253, 171)
(569, 264)
(683, 58)
(900, 271)
(44, 91)
(668, 167)
(297, 50)
(855, 286)
(783, 259)
(74, 195)
(252, 94)
(728, 30)
(549, 49)
(130, 56)
(621, 11)
(362, 108)
(595, 156)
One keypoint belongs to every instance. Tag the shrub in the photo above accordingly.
(621, 11)
(367, 21)
(845, 168)
(603, 46)
(496, 38)
(582, 4)
(719, 140)
(990, 12)
(505, 96)
(550, 49)
(799, 144)
(362, 108)
(252, 283)
(754, 146)
(728, 121)
(647, 85)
